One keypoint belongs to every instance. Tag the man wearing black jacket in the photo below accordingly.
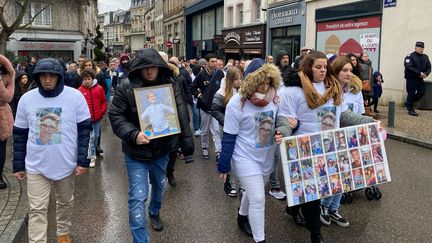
(417, 68)
(145, 157)
(200, 86)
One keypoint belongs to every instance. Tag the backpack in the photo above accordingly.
(212, 88)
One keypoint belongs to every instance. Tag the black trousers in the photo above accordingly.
(311, 212)
(2, 156)
(171, 163)
(415, 89)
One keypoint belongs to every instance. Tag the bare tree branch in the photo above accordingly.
(19, 26)
(19, 18)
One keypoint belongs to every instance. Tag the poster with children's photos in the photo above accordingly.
(323, 164)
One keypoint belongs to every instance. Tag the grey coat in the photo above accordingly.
(365, 72)
(218, 108)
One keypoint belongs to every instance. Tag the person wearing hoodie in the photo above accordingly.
(51, 141)
(7, 86)
(96, 101)
(248, 145)
(366, 71)
(283, 62)
(122, 71)
(305, 96)
(377, 80)
(146, 159)
(22, 84)
(228, 88)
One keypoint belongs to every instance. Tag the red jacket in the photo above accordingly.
(95, 98)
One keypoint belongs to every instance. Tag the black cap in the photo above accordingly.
(420, 44)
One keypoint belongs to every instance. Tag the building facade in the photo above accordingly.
(244, 30)
(286, 27)
(137, 34)
(204, 24)
(159, 24)
(370, 26)
(173, 12)
(55, 32)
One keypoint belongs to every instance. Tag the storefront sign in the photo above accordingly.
(176, 41)
(253, 36)
(44, 46)
(389, 3)
(360, 35)
(233, 37)
(285, 15)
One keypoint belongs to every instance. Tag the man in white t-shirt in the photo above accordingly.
(51, 138)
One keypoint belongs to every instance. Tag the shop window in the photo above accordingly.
(240, 14)
(41, 12)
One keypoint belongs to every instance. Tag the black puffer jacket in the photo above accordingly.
(123, 113)
(285, 70)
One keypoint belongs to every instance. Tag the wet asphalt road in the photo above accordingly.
(197, 210)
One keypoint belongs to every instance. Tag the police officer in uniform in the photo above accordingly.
(417, 68)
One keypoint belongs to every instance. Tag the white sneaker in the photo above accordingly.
(92, 163)
(197, 133)
(278, 194)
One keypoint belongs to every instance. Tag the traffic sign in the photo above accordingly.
(168, 44)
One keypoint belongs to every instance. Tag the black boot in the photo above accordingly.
(156, 222)
(317, 238)
(171, 179)
(412, 112)
(243, 224)
(3, 184)
(295, 213)
(263, 241)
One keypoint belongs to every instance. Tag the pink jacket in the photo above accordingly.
(7, 87)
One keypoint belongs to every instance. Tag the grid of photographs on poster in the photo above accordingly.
(336, 161)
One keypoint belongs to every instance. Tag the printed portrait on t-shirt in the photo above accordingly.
(317, 146)
(350, 106)
(327, 117)
(264, 129)
(292, 152)
(48, 126)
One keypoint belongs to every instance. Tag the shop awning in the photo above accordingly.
(252, 51)
(232, 50)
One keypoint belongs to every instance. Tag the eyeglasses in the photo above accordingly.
(47, 127)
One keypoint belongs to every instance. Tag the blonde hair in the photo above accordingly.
(232, 75)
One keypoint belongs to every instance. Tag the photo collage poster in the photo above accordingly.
(323, 164)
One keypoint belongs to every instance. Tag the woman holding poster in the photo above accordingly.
(308, 96)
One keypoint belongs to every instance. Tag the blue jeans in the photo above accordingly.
(97, 130)
(139, 173)
(195, 117)
(332, 203)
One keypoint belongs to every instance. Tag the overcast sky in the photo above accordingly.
(108, 5)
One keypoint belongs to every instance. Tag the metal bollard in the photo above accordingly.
(391, 113)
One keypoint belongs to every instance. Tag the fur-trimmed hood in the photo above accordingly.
(174, 69)
(252, 81)
(355, 85)
(7, 88)
(8, 70)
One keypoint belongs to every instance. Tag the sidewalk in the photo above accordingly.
(13, 203)
(13, 200)
(409, 129)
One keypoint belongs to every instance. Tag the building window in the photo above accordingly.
(208, 25)
(258, 10)
(196, 27)
(230, 16)
(43, 15)
(240, 14)
(219, 20)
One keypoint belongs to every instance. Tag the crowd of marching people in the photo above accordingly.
(245, 106)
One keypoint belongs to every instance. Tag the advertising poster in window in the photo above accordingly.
(358, 161)
(358, 36)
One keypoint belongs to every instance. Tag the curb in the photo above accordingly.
(410, 139)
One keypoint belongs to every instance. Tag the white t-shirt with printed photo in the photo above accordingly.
(354, 102)
(294, 105)
(254, 126)
(52, 122)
